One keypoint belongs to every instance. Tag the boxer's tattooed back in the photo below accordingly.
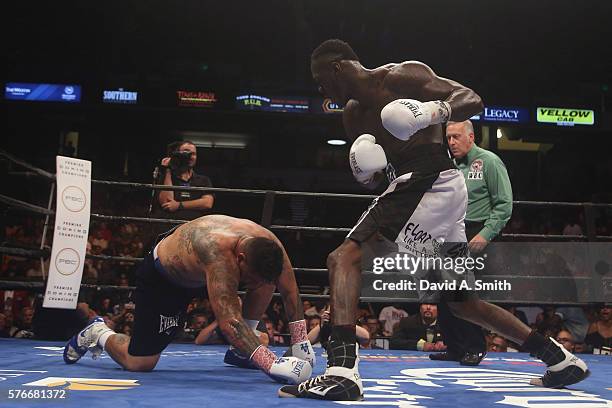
(199, 239)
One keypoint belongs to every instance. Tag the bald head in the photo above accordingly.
(460, 137)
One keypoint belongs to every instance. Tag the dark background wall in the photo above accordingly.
(512, 53)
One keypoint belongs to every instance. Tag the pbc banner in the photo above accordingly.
(70, 234)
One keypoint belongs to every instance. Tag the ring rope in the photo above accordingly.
(12, 202)
(263, 192)
(35, 253)
(38, 171)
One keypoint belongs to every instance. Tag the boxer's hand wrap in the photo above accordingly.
(285, 370)
(300, 345)
(366, 158)
(404, 117)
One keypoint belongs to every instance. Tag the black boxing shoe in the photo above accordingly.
(334, 385)
(446, 356)
(569, 370)
(234, 357)
(337, 384)
(472, 359)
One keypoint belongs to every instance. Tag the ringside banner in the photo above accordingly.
(503, 114)
(24, 91)
(566, 116)
(70, 233)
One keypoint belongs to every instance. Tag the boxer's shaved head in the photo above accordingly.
(334, 50)
(332, 66)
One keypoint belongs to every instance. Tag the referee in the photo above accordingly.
(489, 209)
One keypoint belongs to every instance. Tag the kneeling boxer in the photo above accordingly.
(217, 252)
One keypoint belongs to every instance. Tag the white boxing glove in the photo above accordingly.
(404, 117)
(366, 158)
(285, 370)
(300, 345)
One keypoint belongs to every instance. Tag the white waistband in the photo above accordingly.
(155, 257)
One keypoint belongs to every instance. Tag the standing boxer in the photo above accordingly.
(395, 114)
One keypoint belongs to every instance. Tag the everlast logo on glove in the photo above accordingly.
(354, 165)
(413, 108)
(298, 367)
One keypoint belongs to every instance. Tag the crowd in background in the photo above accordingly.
(579, 329)
(131, 239)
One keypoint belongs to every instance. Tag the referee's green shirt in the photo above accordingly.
(489, 190)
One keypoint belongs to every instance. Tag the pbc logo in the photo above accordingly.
(74, 199)
(475, 172)
(67, 261)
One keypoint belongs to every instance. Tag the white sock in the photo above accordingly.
(104, 337)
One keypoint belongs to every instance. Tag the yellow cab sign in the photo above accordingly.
(566, 116)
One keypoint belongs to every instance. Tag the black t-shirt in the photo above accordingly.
(196, 180)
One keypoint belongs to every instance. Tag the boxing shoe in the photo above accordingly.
(467, 359)
(336, 384)
(234, 357)
(568, 371)
(85, 340)
(445, 356)
(472, 359)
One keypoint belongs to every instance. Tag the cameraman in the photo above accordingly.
(177, 170)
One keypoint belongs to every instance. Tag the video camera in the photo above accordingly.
(179, 160)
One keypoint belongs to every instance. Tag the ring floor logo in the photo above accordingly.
(85, 384)
(422, 387)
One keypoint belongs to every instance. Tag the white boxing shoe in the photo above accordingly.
(85, 340)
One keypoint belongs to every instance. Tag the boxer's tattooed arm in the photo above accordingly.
(120, 339)
(222, 284)
(287, 286)
(241, 336)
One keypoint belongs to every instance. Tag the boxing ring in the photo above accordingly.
(195, 376)
(33, 373)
